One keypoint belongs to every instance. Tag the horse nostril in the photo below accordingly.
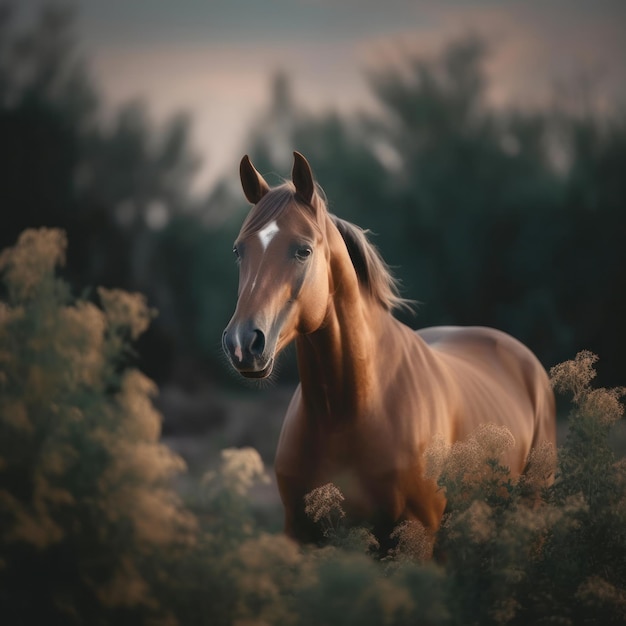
(258, 343)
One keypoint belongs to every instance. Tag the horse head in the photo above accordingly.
(283, 269)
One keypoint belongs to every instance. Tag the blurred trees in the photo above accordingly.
(113, 184)
(505, 217)
(499, 217)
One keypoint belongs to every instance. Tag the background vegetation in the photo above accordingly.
(502, 217)
(92, 530)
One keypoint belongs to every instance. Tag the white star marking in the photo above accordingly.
(267, 234)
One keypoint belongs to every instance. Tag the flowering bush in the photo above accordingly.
(92, 532)
(84, 480)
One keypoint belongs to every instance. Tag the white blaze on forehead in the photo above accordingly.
(267, 233)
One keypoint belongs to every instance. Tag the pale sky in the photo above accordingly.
(214, 58)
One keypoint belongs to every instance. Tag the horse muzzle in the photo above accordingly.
(246, 348)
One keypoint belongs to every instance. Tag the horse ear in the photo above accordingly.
(254, 185)
(302, 177)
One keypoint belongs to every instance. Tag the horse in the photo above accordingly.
(373, 393)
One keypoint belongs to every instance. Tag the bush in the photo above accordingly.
(84, 482)
(548, 547)
(92, 531)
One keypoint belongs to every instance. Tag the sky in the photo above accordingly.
(215, 58)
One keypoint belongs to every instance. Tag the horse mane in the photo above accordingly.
(372, 271)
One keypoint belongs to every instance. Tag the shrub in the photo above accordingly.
(84, 481)
(92, 532)
(529, 549)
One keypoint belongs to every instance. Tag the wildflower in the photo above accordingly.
(414, 541)
(323, 501)
(540, 464)
(574, 376)
(34, 256)
(435, 457)
(470, 457)
(126, 310)
(241, 468)
(478, 519)
(604, 404)
(494, 440)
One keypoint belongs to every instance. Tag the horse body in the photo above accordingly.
(373, 393)
(444, 381)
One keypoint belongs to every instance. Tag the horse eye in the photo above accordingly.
(302, 254)
(236, 252)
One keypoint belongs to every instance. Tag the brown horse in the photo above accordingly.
(373, 393)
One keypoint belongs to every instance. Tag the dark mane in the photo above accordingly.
(371, 269)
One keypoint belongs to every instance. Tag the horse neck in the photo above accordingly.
(337, 362)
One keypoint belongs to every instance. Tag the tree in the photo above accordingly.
(111, 186)
(498, 217)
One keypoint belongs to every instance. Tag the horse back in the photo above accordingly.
(499, 380)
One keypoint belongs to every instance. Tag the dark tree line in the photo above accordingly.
(499, 217)
(508, 218)
(110, 185)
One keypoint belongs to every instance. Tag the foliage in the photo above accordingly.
(112, 180)
(92, 531)
(199, 286)
(82, 473)
(547, 547)
(528, 551)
